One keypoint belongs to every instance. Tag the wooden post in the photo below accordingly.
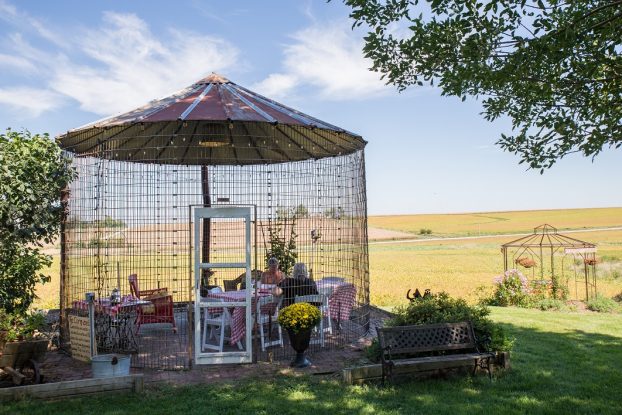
(64, 202)
(207, 202)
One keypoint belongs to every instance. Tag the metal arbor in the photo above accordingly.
(545, 252)
(213, 143)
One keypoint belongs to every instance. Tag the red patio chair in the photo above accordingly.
(159, 311)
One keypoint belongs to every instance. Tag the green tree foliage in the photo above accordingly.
(301, 211)
(553, 67)
(282, 248)
(33, 171)
(335, 213)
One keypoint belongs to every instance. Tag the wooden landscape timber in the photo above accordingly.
(74, 388)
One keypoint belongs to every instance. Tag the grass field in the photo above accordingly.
(491, 223)
(562, 363)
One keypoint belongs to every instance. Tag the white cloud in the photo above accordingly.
(128, 65)
(21, 20)
(276, 84)
(135, 67)
(32, 101)
(328, 57)
(16, 62)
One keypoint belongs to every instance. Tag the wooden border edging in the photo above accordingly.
(362, 374)
(74, 388)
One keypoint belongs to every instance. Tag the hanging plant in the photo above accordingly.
(526, 262)
(591, 261)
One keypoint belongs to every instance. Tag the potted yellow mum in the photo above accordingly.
(299, 319)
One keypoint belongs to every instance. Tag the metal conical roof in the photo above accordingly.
(213, 121)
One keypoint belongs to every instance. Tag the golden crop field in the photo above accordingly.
(459, 267)
(456, 266)
(491, 223)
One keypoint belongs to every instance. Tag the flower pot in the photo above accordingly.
(300, 342)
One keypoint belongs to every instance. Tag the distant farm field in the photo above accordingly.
(494, 223)
(458, 266)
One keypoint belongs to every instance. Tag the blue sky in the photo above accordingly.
(66, 63)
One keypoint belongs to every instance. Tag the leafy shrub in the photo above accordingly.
(19, 276)
(425, 231)
(441, 308)
(559, 290)
(618, 298)
(107, 242)
(20, 327)
(373, 352)
(282, 248)
(511, 289)
(546, 304)
(601, 304)
(335, 213)
(33, 172)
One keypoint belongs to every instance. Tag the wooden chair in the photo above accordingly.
(159, 311)
(231, 285)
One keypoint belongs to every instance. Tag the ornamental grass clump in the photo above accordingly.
(299, 317)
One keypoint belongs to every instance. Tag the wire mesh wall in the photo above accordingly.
(128, 214)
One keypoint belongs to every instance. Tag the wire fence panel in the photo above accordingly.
(128, 214)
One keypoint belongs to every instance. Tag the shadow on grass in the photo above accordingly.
(574, 372)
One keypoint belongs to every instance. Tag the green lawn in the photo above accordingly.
(562, 363)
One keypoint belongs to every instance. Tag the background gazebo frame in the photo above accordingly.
(538, 253)
(213, 143)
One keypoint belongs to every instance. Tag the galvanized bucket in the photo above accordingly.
(108, 365)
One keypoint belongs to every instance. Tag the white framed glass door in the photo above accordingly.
(222, 316)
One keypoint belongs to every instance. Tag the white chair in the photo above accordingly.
(326, 292)
(216, 322)
(265, 319)
(316, 299)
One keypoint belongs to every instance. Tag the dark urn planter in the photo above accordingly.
(300, 343)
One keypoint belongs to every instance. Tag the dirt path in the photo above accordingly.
(461, 238)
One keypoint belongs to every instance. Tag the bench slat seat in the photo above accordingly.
(398, 344)
(440, 362)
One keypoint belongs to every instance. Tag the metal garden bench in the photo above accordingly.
(407, 349)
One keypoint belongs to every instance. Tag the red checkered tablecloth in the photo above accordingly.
(238, 315)
(341, 300)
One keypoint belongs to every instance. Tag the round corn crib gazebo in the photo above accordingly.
(142, 174)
